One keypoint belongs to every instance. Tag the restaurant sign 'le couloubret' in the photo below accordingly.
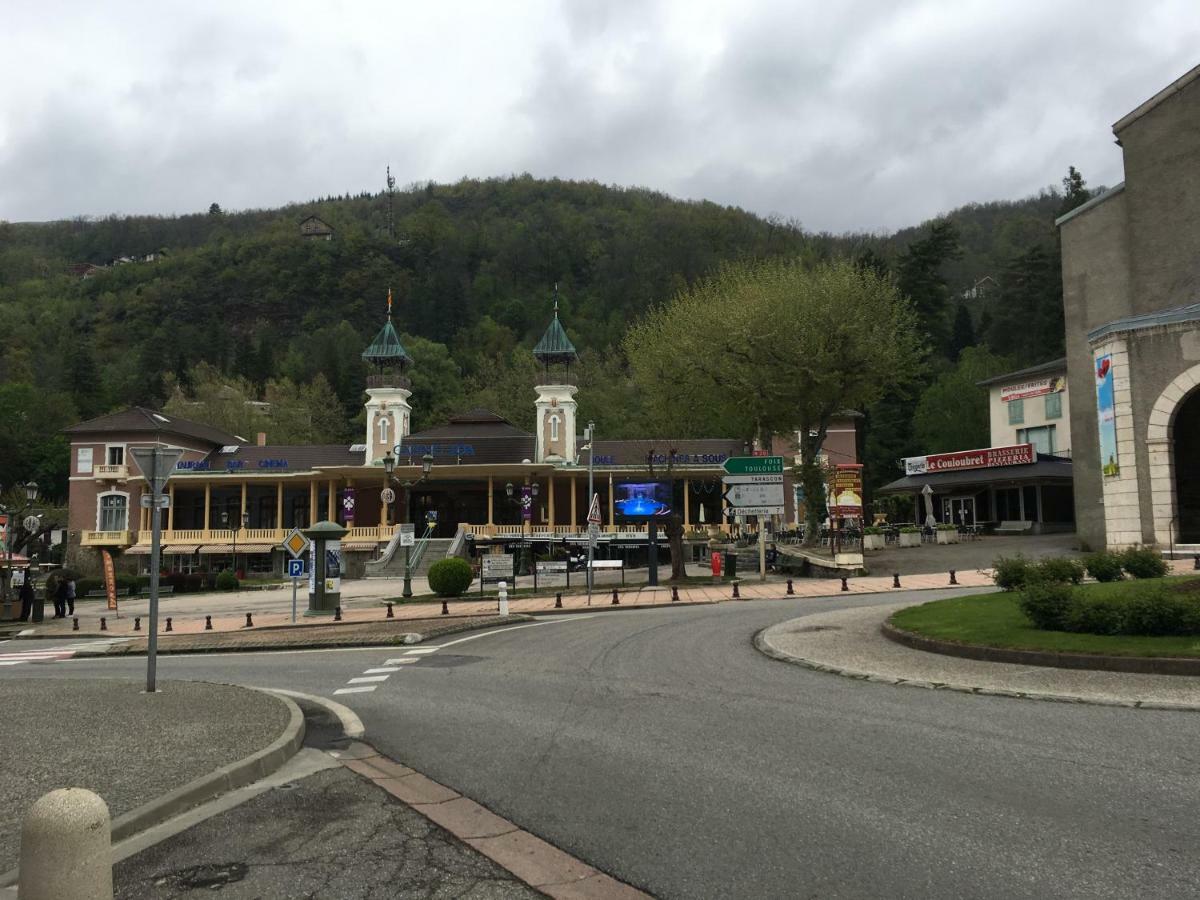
(987, 458)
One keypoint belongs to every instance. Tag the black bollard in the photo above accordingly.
(168, 628)
(137, 624)
(445, 609)
(845, 587)
(558, 600)
(615, 600)
(790, 590)
(208, 623)
(736, 595)
(895, 579)
(337, 614)
(1196, 562)
(390, 614)
(103, 624)
(249, 621)
(953, 577)
(674, 594)
(75, 623)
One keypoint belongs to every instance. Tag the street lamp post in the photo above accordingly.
(239, 522)
(389, 468)
(590, 436)
(529, 493)
(31, 495)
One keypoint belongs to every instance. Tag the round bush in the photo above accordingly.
(1046, 604)
(1103, 566)
(1057, 568)
(450, 577)
(1142, 562)
(227, 581)
(1010, 573)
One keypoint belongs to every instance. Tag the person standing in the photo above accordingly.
(26, 595)
(58, 593)
(70, 579)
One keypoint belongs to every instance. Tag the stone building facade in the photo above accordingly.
(1131, 293)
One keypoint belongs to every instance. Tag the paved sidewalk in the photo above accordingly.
(848, 642)
(128, 746)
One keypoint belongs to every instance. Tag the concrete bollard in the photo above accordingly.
(953, 577)
(558, 600)
(137, 623)
(674, 594)
(736, 595)
(249, 621)
(895, 579)
(208, 623)
(390, 614)
(616, 600)
(445, 608)
(790, 590)
(503, 604)
(103, 624)
(169, 626)
(66, 851)
(337, 614)
(845, 587)
(75, 623)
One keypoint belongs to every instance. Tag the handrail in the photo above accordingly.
(418, 551)
(456, 545)
(390, 550)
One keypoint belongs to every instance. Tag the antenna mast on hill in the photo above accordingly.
(391, 189)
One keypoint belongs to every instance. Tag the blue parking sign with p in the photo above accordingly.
(295, 568)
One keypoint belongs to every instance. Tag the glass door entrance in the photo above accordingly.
(958, 510)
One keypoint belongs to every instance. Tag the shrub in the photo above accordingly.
(226, 581)
(1057, 568)
(1010, 573)
(909, 529)
(872, 529)
(1096, 615)
(1046, 604)
(1157, 612)
(1103, 566)
(450, 577)
(1142, 562)
(945, 526)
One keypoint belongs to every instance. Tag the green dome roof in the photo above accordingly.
(386, 348)
(555, 346)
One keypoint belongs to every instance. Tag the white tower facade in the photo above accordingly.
(556, 422)
(388, 415)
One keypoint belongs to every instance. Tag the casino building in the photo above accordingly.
(464, 479)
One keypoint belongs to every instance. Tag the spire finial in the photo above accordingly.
(389, 301)
(556, 299)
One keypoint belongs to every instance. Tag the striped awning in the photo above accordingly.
(256, 548)
(144, 549)
(359, 545)
(138, 550)
(217, 548)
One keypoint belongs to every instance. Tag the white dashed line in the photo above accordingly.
(356, 690)
(367, 679)
(382, 670)
(403, 661)
(423, 651)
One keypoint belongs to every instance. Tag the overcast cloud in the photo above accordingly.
(843, 115)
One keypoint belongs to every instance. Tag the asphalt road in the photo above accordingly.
(661, 747)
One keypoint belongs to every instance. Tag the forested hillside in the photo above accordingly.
(240, 306)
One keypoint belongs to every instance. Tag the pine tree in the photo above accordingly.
(963, 334)
(1075, 191)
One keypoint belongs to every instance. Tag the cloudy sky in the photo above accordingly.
(843, 115)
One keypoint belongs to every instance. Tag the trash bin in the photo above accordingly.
(731, 564)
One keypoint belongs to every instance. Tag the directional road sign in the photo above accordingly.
(754, 465)
(754, 511)
(295, 543)
(741, 495)
(295, 568)
(774, 478)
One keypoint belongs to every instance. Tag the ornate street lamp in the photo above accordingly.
(389, 469)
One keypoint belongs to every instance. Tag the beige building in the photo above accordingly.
(1031, 406)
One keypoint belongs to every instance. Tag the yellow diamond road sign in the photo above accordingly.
(296, 543)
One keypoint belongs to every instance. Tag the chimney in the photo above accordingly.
(262, 439)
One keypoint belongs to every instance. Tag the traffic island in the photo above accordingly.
(851, 643)
(149, 756)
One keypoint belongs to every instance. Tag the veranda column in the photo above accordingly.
(171, 507)
(491, 514)
(279, 504)
(550, 481)
(687, 506)
(207, 505)
(243, 511)
(330, 508)
(574, 521)
(312, 503)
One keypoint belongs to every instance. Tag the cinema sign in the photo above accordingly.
(987, 458)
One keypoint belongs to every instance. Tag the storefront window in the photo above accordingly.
(113, 512)
(1054, 406)
(1016, 412)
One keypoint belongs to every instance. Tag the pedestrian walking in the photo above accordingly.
(59, 596)
(70, 595)
(26, 595)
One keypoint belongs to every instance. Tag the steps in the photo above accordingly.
(394, 567)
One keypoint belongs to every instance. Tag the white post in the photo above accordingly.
(762, 548)
(504, 598)
(66, 848)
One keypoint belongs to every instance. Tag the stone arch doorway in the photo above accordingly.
(1186, 464)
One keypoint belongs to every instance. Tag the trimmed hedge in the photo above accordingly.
(1058, 568)
(450, 577)
(226, 581)
(1046, 604)
(1150, 609)
(1103, 566)
(1142, 562)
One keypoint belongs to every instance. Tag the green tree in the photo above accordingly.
(952, 413)
(1027, 322)
(921, 277)
(1075, 191)
(794, 344)
(963, 333)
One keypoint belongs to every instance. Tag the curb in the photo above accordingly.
(1140, 665)
(200, 790)
(763, 645)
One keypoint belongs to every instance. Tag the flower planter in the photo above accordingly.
(947, 537)
(910, 539)
(873, 541)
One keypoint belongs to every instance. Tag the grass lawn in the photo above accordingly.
(996, 620)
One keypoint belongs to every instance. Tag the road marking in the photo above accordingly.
(382, 670)
(403, 661)
(356, 690)
(422, 651)
(367, 679)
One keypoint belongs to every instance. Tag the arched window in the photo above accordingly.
(384, 423)
(554, 420)
(113, 512)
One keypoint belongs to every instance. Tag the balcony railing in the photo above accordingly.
(109, 472)
(106, 539)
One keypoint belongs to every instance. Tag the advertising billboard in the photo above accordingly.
(1107, 416)
(642, 500)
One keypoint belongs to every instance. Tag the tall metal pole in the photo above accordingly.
(155, 551)
(591, 435)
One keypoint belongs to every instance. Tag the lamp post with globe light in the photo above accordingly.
(389, 468)
(31, 495)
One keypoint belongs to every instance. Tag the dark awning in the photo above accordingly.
(1051, 469)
